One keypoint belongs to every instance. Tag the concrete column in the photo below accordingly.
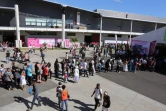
(101, 23)
(156, 26)
(63, 30)
(18, 41)
(116, 39)
(131, 29)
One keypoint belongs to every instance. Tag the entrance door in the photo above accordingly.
(88, 39)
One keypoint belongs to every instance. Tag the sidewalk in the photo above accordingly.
(122, 99)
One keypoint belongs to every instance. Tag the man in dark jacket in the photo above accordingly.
(35, 93)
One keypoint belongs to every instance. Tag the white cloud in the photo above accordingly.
(118, 0)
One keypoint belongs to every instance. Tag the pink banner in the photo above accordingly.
(38, 42)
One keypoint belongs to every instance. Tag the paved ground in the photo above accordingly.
(141, 91)
(152, 85)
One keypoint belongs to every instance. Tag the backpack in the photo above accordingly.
(107, 102)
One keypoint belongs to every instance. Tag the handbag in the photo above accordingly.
(68, 96)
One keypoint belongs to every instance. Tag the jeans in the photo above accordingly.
(7, 59)
(59, 101)
(66, 104)
(100, 69)
(33, 101)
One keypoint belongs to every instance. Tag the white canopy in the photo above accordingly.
(157, 35)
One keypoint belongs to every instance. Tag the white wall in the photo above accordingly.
(79, 36)
(1, 38)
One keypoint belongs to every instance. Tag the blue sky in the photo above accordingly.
(145, 7)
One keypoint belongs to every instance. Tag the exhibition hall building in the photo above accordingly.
(23, 20)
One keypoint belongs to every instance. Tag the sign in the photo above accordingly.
(152, 47)
(38, 42)
(165, 35)
(140, 47)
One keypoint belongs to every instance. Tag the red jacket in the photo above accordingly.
(45, 71)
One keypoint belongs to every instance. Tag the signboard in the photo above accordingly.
(38, 42)
(140, 47)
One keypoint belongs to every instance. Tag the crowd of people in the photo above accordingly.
(75, 67)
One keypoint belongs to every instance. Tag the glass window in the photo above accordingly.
(30, 21)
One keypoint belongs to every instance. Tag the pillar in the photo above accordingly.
(63, 27)
(116, 40)
(156, 26)
(101, 23)
(131, 29)
(18, 42)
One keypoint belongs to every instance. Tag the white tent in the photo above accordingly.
(157, 35)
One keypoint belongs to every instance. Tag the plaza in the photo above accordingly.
(143, 91)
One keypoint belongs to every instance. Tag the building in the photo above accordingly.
(45, 19)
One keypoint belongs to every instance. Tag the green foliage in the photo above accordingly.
(73, 39)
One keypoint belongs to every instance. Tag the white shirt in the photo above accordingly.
(97, 93)
(84, 65)
(76, 72)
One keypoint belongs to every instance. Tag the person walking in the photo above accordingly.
(35, 97)
(98, 96)
(59, 91)
(7, 57)
(106, 102)
(43, 56)
(65, 97)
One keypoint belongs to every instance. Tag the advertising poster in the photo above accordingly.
(140, 47)
(152, 47)
(38, 42)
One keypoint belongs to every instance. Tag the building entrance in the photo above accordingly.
(88, 39)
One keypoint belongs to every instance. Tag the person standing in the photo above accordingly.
(65, 97)
(7, 57)
(36, 96)
(38, 72)
(76, 74)
(85, 68)
(2, 71)
(29, 74)
(45, 72)
(98, 96)
(8, 79)
(56, 68)
(23, 80)
(90, 68)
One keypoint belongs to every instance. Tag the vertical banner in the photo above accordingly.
(152, 47)
(78, 18)
(165, 35)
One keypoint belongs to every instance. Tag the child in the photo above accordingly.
(22, 80)
(65, 76)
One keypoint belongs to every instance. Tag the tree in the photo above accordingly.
(73, 40)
